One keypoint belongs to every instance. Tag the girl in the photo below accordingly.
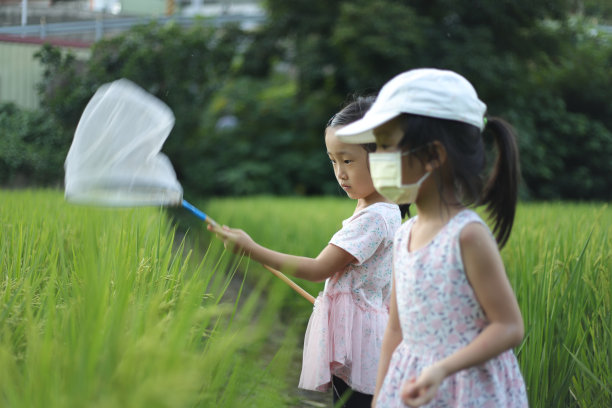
(344, 333)
(453, 318)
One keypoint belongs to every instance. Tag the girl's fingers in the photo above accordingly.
(410, 392)
(416, 393)
(427, 396)
(229, 236)
(214, 228)
(409, 388)
(221, 232)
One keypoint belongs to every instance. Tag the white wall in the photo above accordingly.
(20, 72)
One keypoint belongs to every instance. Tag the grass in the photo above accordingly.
(559, 261)
(107, 308)
(299, 226)
(116, 308)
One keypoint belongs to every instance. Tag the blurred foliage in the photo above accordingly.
(249, 142)
(182, 67)
(251, 106)
(601, 9)
(33, 147)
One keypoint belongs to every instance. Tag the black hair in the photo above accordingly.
(353, 111)
(466, 153)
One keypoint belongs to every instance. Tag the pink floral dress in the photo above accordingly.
(345, 331)
(439, 314)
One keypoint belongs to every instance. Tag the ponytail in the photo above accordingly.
(500, 193)
(466, 155)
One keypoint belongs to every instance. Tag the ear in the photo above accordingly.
(437, 156)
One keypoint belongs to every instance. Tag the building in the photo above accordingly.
(20, 71)
(75, 25)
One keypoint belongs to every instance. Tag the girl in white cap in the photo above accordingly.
(344, 334)
(454, 318)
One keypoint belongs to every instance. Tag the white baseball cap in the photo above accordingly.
(426, 91)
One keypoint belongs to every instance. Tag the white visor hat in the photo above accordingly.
(427, 92)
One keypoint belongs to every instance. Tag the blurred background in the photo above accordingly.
(253, 83)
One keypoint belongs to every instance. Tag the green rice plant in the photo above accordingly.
(107, 308)
(294, 225)
(559, 260)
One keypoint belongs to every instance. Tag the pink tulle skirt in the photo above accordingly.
(343, 338)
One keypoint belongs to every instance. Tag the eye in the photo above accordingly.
(348, 161)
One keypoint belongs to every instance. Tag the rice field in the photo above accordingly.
(106, 308)
(559, 260)
(109, 308)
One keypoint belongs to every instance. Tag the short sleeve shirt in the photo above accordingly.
(368, 236)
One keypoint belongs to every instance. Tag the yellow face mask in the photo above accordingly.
(386, 172)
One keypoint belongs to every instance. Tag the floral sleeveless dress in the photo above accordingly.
(439, 314)
(345, 331)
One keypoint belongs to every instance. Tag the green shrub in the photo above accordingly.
(547, 71)
(33, 147)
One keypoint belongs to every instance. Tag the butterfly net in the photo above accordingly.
(115, 157)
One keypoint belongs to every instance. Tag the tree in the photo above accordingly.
(530, 61)
(182, 67)
(33, 147)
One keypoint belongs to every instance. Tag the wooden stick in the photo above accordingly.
(291, 283)
(278, 274)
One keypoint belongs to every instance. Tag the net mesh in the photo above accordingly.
(115, 157)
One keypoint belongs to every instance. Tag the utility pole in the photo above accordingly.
(24, 12)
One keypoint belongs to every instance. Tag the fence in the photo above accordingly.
(94, 30)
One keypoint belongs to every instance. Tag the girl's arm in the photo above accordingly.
(331, 260)
(486, 273)
(391, 339)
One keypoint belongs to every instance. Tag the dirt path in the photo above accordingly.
(299, 398)
(312, 399)
(304, 398)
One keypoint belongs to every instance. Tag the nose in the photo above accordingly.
(341, 172)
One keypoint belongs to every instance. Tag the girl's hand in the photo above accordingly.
(417, 392)
(235, 240)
